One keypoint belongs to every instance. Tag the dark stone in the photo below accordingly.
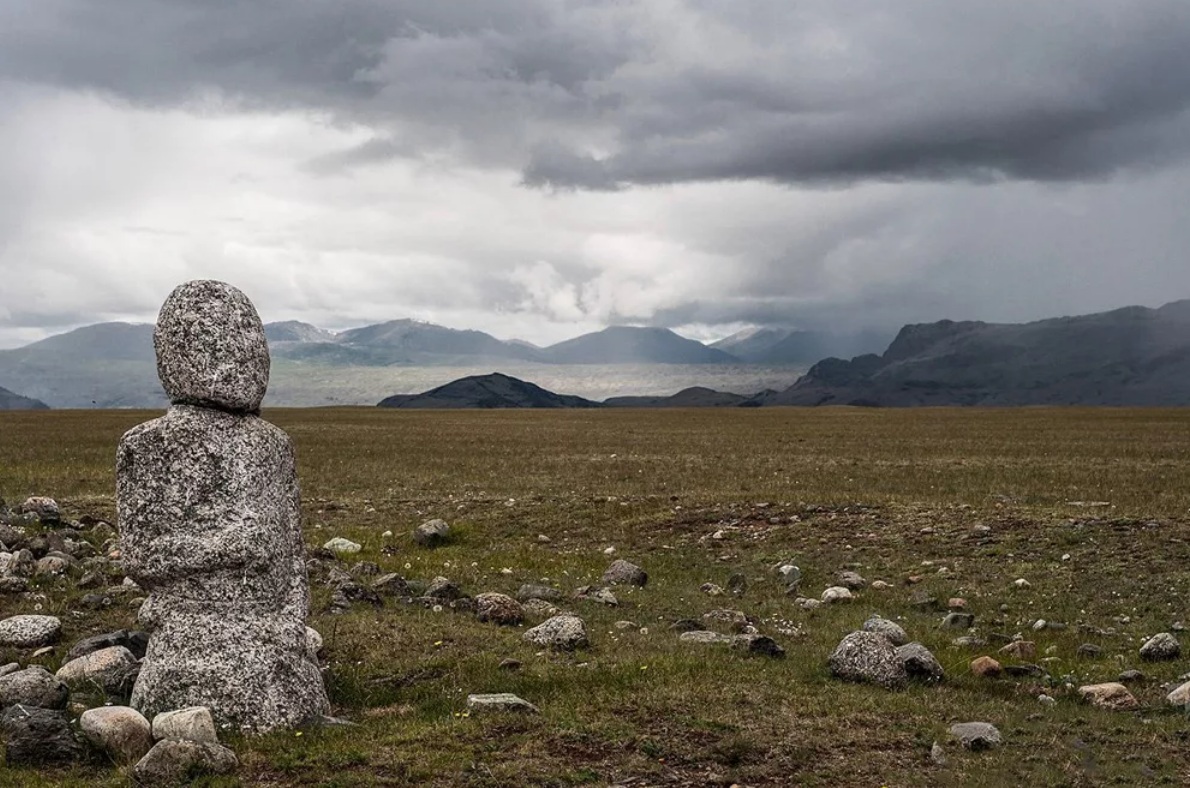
(39, 737)
(687, 625)
(530, 591)
(958, 621)
(392, 584)
(133, 640)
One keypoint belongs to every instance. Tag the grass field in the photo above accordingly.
(1091, 506)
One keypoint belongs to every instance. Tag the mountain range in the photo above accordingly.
(12, 401)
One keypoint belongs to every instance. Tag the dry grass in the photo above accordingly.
(829, 489)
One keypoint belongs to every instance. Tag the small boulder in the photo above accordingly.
(868, 657)
(530, 591)
(893, 631)
(314, 644)
(33, 686)
(986, 668)
(431, 533)
(341, 546)
(500, 701)
(499, 609)
(1020, 649)
(758, 644)
(600, 594)
(957, 620)
(121, 732)
(704, 637)
(37, 737)
(46, 510)
(194, 723)
(1180, 696)
(920, 663)
(1160, 648)
(134, 641)
(836, 594)
(173, 762)
(30, 631)
(852, 581)
(392, 585)
(623, 572)
(1111, 695)
(539, 609)
(976, 736)
(561, 633)
(109, 668)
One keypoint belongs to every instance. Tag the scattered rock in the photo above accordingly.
(851, 581)
(1130, 677)
(46, 510)
(686, 625)
(500, 701)
(1088, 651)
(758, 644)
(52, 565)
(958, 621)
(173, 762)
(790, 573)
(891, 630)
(880, 585)
(30, 631)
(868, 657)
(530, 591)
(1021, 649)
(600, 594)
(33, 686)
(976, 736)
(1022, 583)
(920, 663)
(923, 600)
(36, 737)
(1108, 696)
(710, 589)
(704, 637)
(1160, 648)
(110, 668)
(563, 633)
(956, 603)
(348, 592)
(737, 584)
(499, 609)
(1180, 696)
(391, 585)
(836, 594)
(314, 644)
(937, 754)
(432, 533)
(969, 641)
(986, 668)
(807, 604)
(134, 641)
(539, 609)
(343, 546)
(121, 732)
(193, 724)
(509, 664)
(443, 590)
(623, 572)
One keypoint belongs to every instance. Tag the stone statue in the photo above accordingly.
(210, 526)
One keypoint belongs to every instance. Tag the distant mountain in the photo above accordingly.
(296, 331)
(11, 401)
(693, 397)
(487, 391)
(1130, 356)
(787, 346)
(631, 345)
(415, 342)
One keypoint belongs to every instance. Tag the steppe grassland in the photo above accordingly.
(828, 489)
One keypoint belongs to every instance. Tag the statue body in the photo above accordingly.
(210, 527)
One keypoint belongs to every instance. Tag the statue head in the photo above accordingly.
(211, 348)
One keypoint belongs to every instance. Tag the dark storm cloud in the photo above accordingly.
(605, 95)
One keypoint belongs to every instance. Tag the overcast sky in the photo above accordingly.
(540, 168)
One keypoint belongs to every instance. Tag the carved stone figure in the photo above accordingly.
(209, 519)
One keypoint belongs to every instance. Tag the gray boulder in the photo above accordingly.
(120, 732)
(891, 630)
(1161, 648)
(33, 686)
(623, 572)
(920, 663)
(192, 724)
(432, 533)
(500, 701)
(136, 642)
(392, 585)
(46, 510)
(173, 762)
(561, 633)
(530, 591)
(958, 621)
(30, 631)
(976, 735)
(868, 657)
(38, 737)
(705, 637)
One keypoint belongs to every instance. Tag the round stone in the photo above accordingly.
(30, 631)
(119, 731)
(44, 509)
(499, 609)
(211, 348)
(564, 633)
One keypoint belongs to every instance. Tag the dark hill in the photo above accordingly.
(411, 341)
(1130, 356)
(785, 346)
(12, 401)
(487, 391)
(632, 345)
(694, 397)
(296, 331)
